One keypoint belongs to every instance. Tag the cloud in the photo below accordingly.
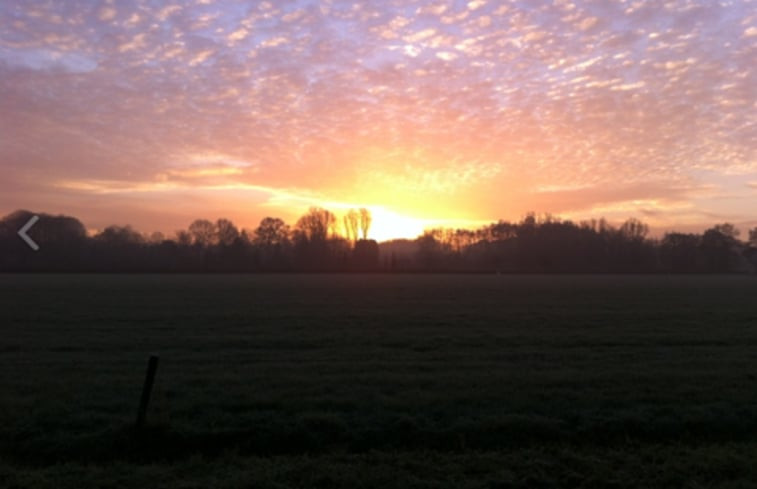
(238, 35)
(434, 99)
(107, 14)
(44, 59)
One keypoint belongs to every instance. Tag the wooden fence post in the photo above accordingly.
(152, 367)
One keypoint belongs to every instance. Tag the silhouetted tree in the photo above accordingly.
(728, 230)
(719, 246)
(365, 221)
(271, 239)
(62, 240)
(351, 224)
(224, 249)
(430, 254)
(120, 249)
(753, 237)
(203, 233)
(317, 224)
(272, 231)
(119, 236)
(316, 246)
(183, 237)
(680, 252)
(226, 232)
(157, 237)
(634, 230)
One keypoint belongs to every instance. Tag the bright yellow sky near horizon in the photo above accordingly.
(429, 113)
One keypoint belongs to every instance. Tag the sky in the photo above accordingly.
(429, 113)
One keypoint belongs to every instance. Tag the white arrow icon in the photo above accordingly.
(25, 237)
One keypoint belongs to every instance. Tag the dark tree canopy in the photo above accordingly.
(536, 244)
(203, 232)
(272, 231)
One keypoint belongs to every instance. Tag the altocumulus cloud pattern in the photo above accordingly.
(485, 107)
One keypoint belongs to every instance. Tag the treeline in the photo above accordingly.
(320, 242)
(550, 245)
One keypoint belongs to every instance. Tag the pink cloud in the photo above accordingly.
(564, 94)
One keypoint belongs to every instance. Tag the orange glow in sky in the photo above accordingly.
(429, 113)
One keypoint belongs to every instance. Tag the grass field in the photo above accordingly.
(379, 381)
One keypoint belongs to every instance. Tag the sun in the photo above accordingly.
(388, 225)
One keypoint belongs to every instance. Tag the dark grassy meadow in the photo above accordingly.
(379, 381)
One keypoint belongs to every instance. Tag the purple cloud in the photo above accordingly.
(433, 101)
